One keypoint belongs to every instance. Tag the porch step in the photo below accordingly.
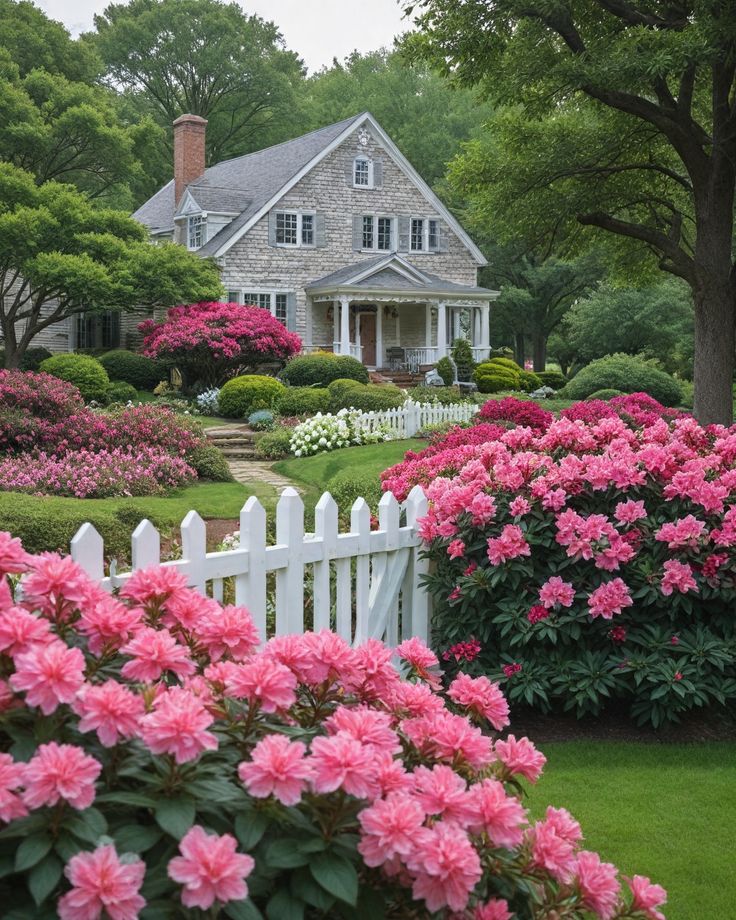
(403, 379)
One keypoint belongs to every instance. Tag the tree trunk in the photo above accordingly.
(11, 354)
(540, 352)
(715, 341)
(519, 348)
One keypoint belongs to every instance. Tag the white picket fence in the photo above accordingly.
(364, 583)
(412, 417)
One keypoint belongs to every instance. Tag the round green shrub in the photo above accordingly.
(605, 394)
(118, 391)
(84, 371)
(322, 368)
(493, 378)
(346, 486)
(274, 445)
(444, 396)
(506, 362)
(628, 374)
(368, 398)
(553, 379)
(446, 371)
(305, 400)
(243, 395)
(210, 463)
(529, 381)
(141, 372)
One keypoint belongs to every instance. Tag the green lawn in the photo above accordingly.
(663, 810)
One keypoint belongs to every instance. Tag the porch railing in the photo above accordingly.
(417, 357)
(480, 353)
(356, 351)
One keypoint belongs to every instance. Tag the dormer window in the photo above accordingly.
(196, 231)
(362, 173)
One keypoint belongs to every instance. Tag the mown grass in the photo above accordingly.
(663, 810)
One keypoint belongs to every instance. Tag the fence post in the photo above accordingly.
(145, 546)
(325, 529)
(419, 600)
(250, 586)
(194, 549)
(290, 580)
(88, 551)
(360, 523)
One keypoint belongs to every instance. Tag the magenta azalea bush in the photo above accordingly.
(593, 561)
(211, 342)
(158, 764)
(518, 411)
(27, 400)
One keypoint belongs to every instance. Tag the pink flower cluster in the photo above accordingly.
(169, 692)
(28, 399)
(522, 412)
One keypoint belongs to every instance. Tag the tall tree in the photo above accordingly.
(624, 121)
(206, 58)
(60, 255)
(423, 113)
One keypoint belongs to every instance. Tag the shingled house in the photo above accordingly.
(336, 234)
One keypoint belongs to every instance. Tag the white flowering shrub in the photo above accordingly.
(208, 402)
(330, 432)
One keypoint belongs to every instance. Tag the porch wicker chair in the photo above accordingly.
(396, 358)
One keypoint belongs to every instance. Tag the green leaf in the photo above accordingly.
(67, 846)
(127, 798)
(283, 906)
(249, 828)
(176, 816)
(242, 910)
(89, 825)
(32, 851)
(336, 875)
(136, 838)
(44, 877)
(285, 854)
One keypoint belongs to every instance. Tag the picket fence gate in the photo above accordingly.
(365, 583)
(407, 420)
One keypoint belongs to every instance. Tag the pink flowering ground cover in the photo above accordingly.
(592, 561)
(158, 762)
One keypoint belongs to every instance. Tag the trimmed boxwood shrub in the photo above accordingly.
(305, 400)
(491, 377)
(505, 362)
(274, 445)
(368, 398)
(628, 374)
(84, 371)
(141, 372)
(210, 463)
(605, 394)
(529, 381)
(446, 371)
(243, 395)
(118, 391)
(553, 379)
(322, 368)
(445, 396)
(462, 355)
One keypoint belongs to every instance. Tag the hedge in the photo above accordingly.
(304, 400)
(628, 374)
(368, 398)
(84, 371)
(321, 368)
(139, 371)
(243, 395)
(553, 379)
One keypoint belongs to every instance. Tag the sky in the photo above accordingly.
(318, 30)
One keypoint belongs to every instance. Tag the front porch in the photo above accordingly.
(390, 316)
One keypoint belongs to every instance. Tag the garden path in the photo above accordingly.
(236, 443)
(250, 471)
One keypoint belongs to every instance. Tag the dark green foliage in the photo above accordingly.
(141, 372)
(304, 400)
(367, 398)
(605, 394)
(628, 374)
(210, 463)
(529, 381)
(462, 355)
(505, 362)
(118, 391)
(345, 487)
(243, 395)
(84, 371)
(445, 370)
(274, 445)
(31, 360)
(322, 368)
(445, 396)
(497, 375)
(553, 379)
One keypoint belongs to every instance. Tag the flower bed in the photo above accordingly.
(330, 432)
(593, 561)
(157, 758)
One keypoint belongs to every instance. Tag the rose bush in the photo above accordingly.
(211, 342)
(157, 765)
(593, 561)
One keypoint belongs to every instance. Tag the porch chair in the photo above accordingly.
(396, 358)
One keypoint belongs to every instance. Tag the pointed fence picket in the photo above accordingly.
(363, 583)
(407, 420)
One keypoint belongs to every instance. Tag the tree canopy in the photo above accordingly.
(620, 116)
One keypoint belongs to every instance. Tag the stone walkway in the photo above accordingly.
(250, 471)
(245, 467)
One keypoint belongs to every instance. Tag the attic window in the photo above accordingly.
(362, 177)
(195, 231)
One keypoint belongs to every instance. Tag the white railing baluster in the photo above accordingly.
(290, 577)
(360, 524)
(194, 549)
(325, 530)
(250, 586)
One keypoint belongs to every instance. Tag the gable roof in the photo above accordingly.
(261, 178)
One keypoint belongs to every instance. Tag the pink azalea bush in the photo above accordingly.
(211, 342)
(593, 561)
(158, 762)
(518, 411)
(28, 401)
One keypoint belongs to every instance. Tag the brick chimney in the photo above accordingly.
(189, 162)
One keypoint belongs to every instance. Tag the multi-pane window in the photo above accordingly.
(97, 330)
(276, 304)
(279, 307)
(258, 300)
(383, 240)
(307, 229)
(287, 223)
(417, 234)
(110, 329)
(362, 172)
(233, 296)
(368, 231)
(433, 235)
(195, 231)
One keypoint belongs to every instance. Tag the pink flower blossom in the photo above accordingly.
(210, 869)
(630, 511)
(102, 883)
(108, 624)
(510, 545)
(448, 737)
(609, 598)
(389, 828)
(646, 897)
(463, 651)
(153, 587)
(13, 558)
(262, 682)
(552, 850)
(50, 674)
(228, 631)
(556, 591)
(510, 669)
(482, 698)
(519, 506)
(155, 651)
(60, 771)
(499, 815)
(520, 757)
(110, 709)
(55, 585)
(598, 884)
(341, 762)
(495, 909)
(178, 726)
(368, 726)
(11, 779)
(19, 630)
(456, 549)
(684, 533)
(445, 866)
(416, 653)
(277, 767)
(678, 576)
(536, 614)
(443, 793)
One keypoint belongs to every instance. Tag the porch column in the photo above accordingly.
(428, 325)
(308, 332)
(441, 329)
(379, 335)
(485, 328)
(475, 334)
(335, 324)
(344, 325)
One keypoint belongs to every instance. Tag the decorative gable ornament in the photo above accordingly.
(363, 137)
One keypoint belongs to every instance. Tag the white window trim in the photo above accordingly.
(202, 217)
(299, 244)
(256, 289)
(425, 235)
(377, 215)
(364, 158)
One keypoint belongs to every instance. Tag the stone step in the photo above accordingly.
(241, 435)
(233, 452)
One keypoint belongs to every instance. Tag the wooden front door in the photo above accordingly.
(368, 338)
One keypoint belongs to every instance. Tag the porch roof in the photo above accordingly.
(391, 274)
